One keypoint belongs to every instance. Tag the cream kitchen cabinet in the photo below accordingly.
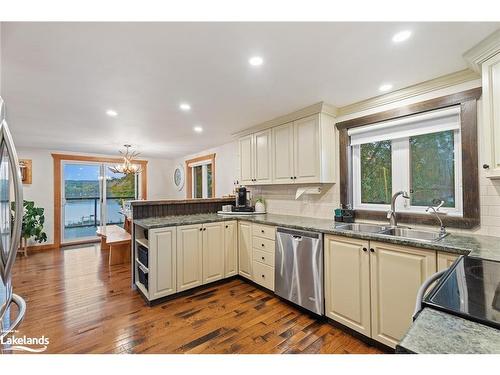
(445, 260)
(162, 261)
(255, 158)
(396, 274)
(245, 249)
(230, 248)
(189, 256)
(298, 151)
(347, 282)
(246, 145)
(371, 286)
(491, 115)
(213, 252)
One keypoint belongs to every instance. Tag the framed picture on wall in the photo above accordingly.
(179, 177)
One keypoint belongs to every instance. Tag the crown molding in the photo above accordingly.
(482, 51)
(320, 107)
(445, 81)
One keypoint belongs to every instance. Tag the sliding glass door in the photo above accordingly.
(91, 195)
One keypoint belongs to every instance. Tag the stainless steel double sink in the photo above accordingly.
(401, 232)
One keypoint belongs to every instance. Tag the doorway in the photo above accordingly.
(92, 194)
(87, 194)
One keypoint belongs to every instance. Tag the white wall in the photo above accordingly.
(226, 162)
(41, 191)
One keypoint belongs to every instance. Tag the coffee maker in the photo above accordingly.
(243, 200)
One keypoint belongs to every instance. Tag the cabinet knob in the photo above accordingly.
(263, 258)
(201, 229)
(486, 166)
(263, 277)
(263, 245)
(294, 177)
(372, 249)
(227, 226)
(365, 249)
(291, 178)
(262, 230)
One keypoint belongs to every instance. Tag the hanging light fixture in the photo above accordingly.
(128, 166)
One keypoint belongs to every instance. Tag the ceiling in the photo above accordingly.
(58, 79)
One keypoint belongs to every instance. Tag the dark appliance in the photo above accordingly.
(243, 200)
(470, 288)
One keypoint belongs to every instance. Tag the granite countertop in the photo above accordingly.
(486, 247)
(177, 201)
(433, 331)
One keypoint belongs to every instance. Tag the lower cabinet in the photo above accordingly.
(396, 274)
(162, 262)
(245, 249)
(230, 248)
(189, 256)
(371, 286)
(347, 282)
(445, 260)
(213, 252)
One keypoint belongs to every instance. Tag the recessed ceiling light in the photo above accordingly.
(111, 113)
(401, 36)
(256, 61)
(184, 106)
(385, 87)
(198, 129)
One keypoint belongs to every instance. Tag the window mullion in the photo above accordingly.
(401, 170)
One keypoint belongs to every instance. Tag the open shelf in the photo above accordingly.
(142, 241)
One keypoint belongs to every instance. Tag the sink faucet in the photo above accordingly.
(391, 215)
(435, 210)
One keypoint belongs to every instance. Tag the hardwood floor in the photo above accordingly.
(85, 306)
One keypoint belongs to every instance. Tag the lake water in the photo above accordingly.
(81, 212)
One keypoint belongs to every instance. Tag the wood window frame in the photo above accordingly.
(59, 158)
(470, 160)
(210, 158)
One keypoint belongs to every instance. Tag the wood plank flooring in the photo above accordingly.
(83, 305)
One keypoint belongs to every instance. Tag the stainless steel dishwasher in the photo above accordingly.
(298, 274)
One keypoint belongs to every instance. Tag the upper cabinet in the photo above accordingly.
(484, 58)
(299, 151)
(491, 114)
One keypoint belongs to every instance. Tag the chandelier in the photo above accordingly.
(128, 166)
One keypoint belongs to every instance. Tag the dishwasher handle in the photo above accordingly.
(423, 289)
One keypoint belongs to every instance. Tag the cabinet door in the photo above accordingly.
(262, 150)
(306, 149)
(445, 260)
(347, 282)
(491, 114)
(189, 257)
(230, 248)
(246, 160)
(213, 252)
(245, 249)
(396, 275)
(283, 154)
(162, 262)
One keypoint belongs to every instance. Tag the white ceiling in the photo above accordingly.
(58, 79)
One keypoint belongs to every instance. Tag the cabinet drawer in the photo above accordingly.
(264, 231)
(263, 244)
(263, 275)
(263, 257)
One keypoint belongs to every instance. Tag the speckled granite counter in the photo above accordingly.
(435, 332)
(486, 247)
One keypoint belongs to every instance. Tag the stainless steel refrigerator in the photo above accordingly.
(11, 196)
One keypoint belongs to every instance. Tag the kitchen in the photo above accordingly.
(248, 208)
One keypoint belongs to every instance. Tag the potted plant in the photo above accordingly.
(33, 220)
(260, 205)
